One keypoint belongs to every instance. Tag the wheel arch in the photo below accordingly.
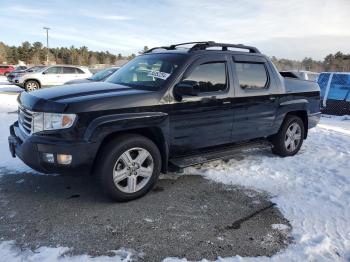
(302, 114)
(32, 79)
(154, 133)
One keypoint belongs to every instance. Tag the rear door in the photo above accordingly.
(255, 104)
(198, 122)
(69, 73)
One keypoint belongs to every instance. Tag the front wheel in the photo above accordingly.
(289, 139)
(31, 85)
(128, 167)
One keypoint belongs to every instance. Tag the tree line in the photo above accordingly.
(35, 53)
(333, 62)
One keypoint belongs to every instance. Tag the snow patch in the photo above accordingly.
(9, 252)
(281, 227)
(8, 115)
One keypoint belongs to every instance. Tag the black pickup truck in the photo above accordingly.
(169, 108)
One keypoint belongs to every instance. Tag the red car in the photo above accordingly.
(6, 69)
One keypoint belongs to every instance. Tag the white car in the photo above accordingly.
(51, 76)
(304, 75)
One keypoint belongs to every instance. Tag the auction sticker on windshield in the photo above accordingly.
(158, 74)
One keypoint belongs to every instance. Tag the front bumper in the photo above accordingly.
(30, 150)
(313, 119)
(10, 78)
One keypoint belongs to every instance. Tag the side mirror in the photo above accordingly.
(44, 73)
(187, 88)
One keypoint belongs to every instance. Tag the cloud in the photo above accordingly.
(105, 16)
(290, 28)
(316, 47)
(30, 11)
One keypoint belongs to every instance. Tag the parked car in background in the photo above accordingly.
(17, 68)
(21, 72)
(51, 76)
(303, 75)
(98, 77)
(164, 110)
(6, 69)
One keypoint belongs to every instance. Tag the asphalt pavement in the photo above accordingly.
(183, 216)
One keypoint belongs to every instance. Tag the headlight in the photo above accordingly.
(52, 121)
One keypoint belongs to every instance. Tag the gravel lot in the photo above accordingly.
(184, 216)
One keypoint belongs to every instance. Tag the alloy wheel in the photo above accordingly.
(292, 137)
(133, 170)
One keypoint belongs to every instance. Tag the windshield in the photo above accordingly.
(103, 74)
(35, 68)
(148, 71)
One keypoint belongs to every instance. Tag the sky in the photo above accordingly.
(291, 29)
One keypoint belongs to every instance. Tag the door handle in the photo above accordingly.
(226, 102)
(272, 98)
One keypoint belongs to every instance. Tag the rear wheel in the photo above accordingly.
(31, 85)
(128, 167)
(288, 141)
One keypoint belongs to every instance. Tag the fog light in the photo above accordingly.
(48, 157)
(64, 159)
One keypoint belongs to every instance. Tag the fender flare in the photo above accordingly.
(105, 125)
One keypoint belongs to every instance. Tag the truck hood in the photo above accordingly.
(84, 97)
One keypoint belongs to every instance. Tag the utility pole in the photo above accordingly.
(47, 44)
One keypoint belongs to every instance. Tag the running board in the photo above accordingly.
(222, 153)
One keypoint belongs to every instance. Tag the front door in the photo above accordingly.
(52, 76)
(205, 120)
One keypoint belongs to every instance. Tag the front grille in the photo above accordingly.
(25, 119)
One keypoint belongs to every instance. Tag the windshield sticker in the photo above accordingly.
(158, 74)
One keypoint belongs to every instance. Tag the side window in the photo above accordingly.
(54, 70)
(78, 71)
(211, 77)
(68, 70)
(252, 76)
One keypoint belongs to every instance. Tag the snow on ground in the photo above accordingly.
(312, 189)
(8, 114)
(5, 86)
(8, 252)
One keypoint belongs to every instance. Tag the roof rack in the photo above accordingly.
(205, 44)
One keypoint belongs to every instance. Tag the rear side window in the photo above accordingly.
(68, 70)
(79, 71)
(211, 77)
(252, 76)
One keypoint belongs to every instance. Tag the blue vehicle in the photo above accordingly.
(335, 92)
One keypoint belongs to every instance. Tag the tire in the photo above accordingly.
(31, 85)
(289, 139)
(121, 175)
